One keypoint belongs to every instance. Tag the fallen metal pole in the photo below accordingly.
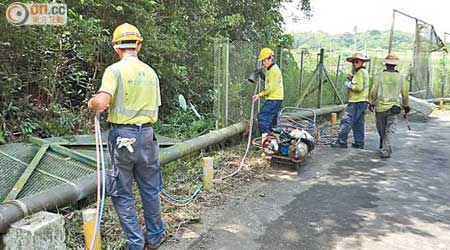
(436, 100)
(15, 210)
(324, 110)
(60, 196)
(190, 146)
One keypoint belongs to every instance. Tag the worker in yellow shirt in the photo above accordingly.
(388, 95)
(130, 91)
(355, 109)
(272, 93)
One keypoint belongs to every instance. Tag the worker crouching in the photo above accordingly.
(388, 95)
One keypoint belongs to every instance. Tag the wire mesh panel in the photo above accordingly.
(234, 62)
(39, 182)
(243, 61)
(64, 167)
(20, 151)
(13, 162)
(291, 78)
(9, 174)
(53, 169)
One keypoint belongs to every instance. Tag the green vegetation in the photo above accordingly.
(48, 73)
(361, 41)
(375, 44)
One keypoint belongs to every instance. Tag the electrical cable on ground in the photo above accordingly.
(249, 140)
(180, 202)
(183, 202)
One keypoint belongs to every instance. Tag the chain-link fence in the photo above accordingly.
(315, 78)
(234, 62)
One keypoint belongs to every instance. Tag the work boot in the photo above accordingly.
(385, 154)
(156, 245)
(338, 144)
(358, 145)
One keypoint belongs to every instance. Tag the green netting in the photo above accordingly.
(64, 167)
(13, 161)
(427, 42)
(9, 174)
(39, 182)
(20, 151)
(53, 169)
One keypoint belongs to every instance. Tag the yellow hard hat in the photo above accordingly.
(265, 53)
(126, 32)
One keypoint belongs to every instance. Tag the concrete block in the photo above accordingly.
(42, 230)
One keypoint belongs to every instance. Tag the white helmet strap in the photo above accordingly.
(125, 46)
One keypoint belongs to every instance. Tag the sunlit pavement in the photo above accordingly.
(345, 199)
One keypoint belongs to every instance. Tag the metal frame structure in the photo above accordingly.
(391, 35)
(417, 21)
(444, 70)
(319, 72)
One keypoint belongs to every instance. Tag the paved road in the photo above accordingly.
(346, 199)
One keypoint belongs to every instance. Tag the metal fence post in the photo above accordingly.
(337, 75)
(444, 72)
(319, 103)
(302, 54)
(280, 57)
(227, 77)
(392, 32)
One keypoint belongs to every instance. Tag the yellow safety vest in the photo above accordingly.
(273, 84)
(134, 87)
(360, 87)
(389, 90)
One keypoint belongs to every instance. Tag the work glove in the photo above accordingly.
(371, 107)
(349, 77)
(407, 109)
(259, 73)
(348, 84)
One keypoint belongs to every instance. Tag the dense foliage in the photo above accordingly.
(48, 73)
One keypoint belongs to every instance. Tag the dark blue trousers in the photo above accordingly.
(268, 115)
(143, 166)
(353, 119)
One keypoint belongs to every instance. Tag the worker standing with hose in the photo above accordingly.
(355, 109)
(388, 95)
(273, 92)
(131, 90)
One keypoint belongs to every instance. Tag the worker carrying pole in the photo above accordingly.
(388, 95)
(358, 91)
(131, 90)
(273, 92)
